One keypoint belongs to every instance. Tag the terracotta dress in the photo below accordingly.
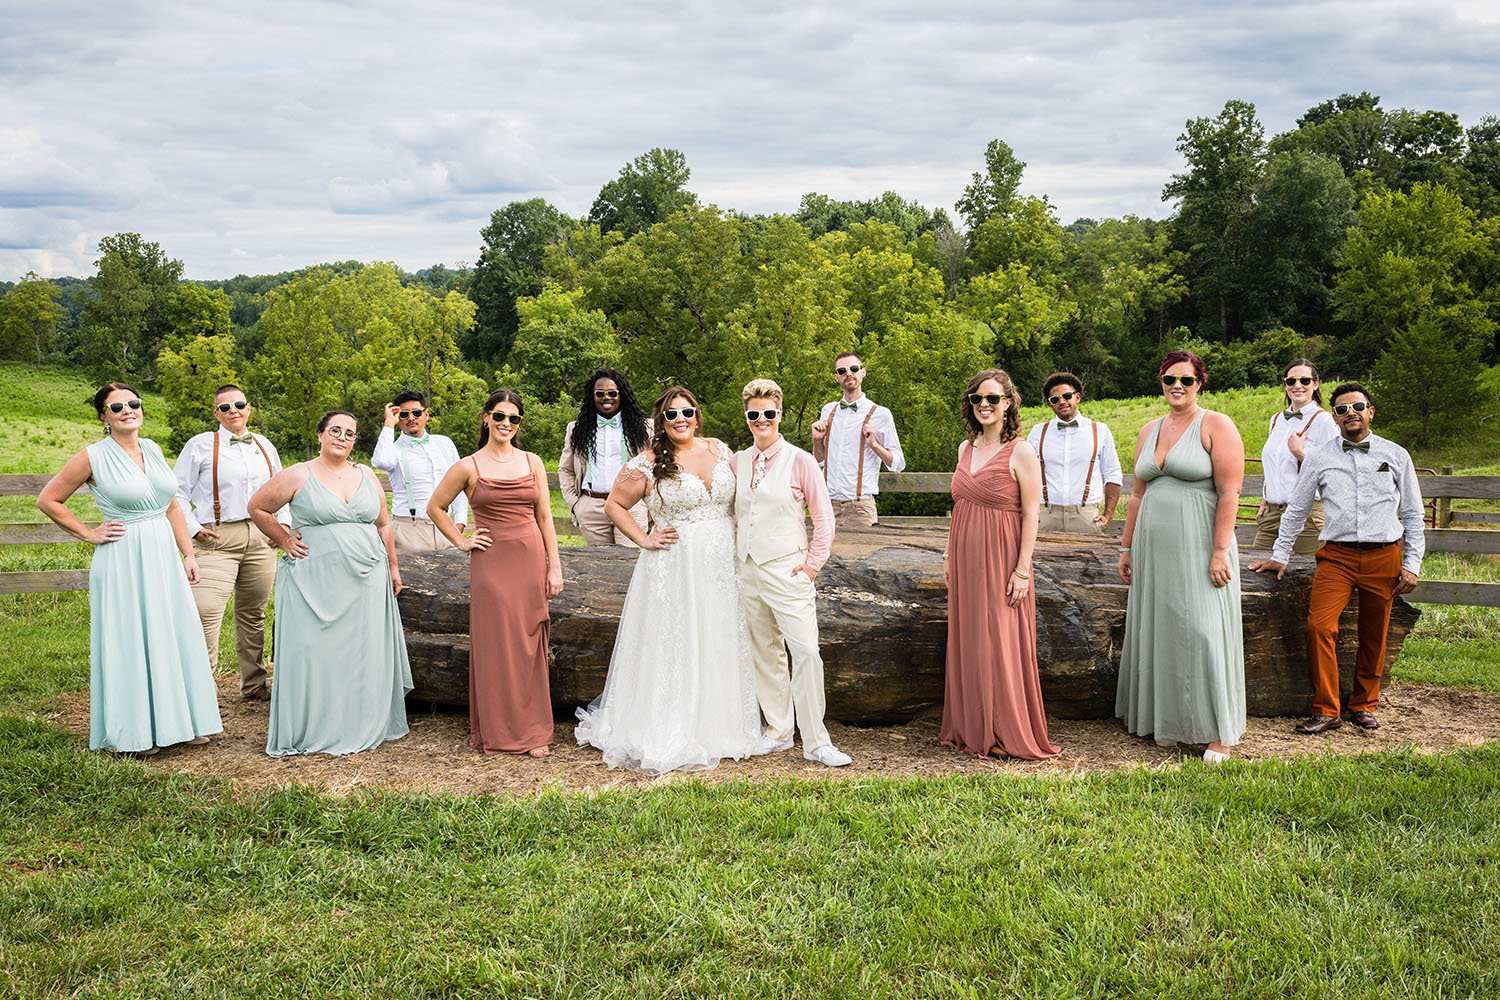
(993, 693)
(510, 701)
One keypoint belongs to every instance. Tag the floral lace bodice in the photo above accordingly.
(684, 498)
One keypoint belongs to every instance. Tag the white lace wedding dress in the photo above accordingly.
(680, 694)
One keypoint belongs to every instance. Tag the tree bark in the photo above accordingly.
(882, 611)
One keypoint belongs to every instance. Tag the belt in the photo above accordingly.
(410, 517)
(1362, 546)
(1071, 506)
(591, 493)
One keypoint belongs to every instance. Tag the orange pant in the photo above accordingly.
(1341, 571)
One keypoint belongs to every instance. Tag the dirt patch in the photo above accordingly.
(436, 757)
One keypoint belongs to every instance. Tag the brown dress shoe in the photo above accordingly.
(1319, 724)
(259, 694)
(1364, 720)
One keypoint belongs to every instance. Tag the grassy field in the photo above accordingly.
(1323, 877)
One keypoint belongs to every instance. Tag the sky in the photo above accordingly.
(263, 137)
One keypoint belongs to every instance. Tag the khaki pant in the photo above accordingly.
(855, 513)
(782, 612)
(238, 563)
(1074, 518)
(417, 534)
(1268, 523)
(597, 528)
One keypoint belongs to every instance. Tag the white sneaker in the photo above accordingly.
(1214, 757)
(770, 745)
(828, 755)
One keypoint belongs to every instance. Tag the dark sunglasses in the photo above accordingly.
(1184, 380)
(134, 404)
(1292, 380)
(686, 411)
(845, 371)
(1061, 397)
(238, 404)
(606, 393)
(754, 415)
(1343, 408)
(993, 398)
(500, 417)
(415, 411)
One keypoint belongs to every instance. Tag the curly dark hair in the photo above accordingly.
(493, 400)
(632, 417)
(1010, 424)
(664, 464)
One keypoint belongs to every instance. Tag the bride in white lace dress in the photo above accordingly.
(680, 694)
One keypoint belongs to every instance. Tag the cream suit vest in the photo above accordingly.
(769, 522)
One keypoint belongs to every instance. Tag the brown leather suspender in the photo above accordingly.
(859, 475)
(1088, 477)
(263, 455)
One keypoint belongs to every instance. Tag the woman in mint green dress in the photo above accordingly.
(150, 683)
(1182, 666)
(341, 668)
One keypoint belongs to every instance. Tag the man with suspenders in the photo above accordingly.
(1079, 463)
(216, 474)
(415, 461)
(851, 439)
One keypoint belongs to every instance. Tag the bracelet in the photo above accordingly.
(1124, 548)
(1024, 576)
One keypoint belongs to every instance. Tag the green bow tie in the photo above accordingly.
(1291, 414)
(1067, 423)
(848, 406)
(409, 441)
(1357, 446)
(243, 439)
(613, 421)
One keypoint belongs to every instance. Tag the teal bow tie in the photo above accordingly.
(243, 439)
(1291, 414)
(409, 441)
(1067, 423)
(848, 406)
(1357, 446)
(613, 421)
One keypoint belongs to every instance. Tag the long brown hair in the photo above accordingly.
(1010, 424)
(493, 400)
(664, 464)
(1317, 394)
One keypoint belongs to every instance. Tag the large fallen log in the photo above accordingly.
(882, 610)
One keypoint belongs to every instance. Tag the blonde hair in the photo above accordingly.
(760, 388)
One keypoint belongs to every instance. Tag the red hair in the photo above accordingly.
(1177, 358)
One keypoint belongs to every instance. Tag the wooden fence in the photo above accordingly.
(1440, 490)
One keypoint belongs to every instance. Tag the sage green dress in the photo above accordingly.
(149, 679)
(1182, 667)
(341, 668)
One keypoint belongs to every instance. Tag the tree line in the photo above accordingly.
(1364, 238)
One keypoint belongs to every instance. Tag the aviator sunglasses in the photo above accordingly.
(1292, 380)
(1183, 380)
(845, 371)
(134, 404)
(606, 393)
(500, 417)
(1343, 408)
(238, 404)
(993, 398)
(754, 415)
(1061, 397)
(415, 411)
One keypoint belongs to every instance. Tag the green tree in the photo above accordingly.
(1482, 165)
(126, 318)
(560, 340)
(883, 281)
(30, 318)
(1426, 381)
(512, 263)
(990, 191)
(650, 188)
(189, 372)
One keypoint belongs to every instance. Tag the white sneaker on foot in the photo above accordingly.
(770, 745)
(828, 755)
(1214, 757)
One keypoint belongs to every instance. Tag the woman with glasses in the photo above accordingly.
(680, 693)
(150, 684)
(513, 572)
(992, 696)
(611, 429)
(341, 669)
(1182, 666)
(1302, 426)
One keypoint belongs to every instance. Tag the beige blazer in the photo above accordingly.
(573, 466)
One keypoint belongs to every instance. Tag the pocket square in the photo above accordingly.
(1384, 467)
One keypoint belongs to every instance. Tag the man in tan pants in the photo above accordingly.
(851, 439)
(415, 461)
(609, 432)
(216, 474)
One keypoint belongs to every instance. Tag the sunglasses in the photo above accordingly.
(754, 415)
(500, 417)
(1343, 408)
(845, 371)
(134, 404)
(606, 393)
(342, 434)
(415, 411)
(1292, 380)
(238, 404)
(1061, 397)
(1184, 380)
(687, 412)
(993, 398)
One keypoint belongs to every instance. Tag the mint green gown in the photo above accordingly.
(341, 668)
(1182, 667)
(149, 679)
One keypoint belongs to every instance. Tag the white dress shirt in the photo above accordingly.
(845, 441)
(1277, 463)
(1067, 460)
(608, 457)
(415, 469)
(242, 471)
